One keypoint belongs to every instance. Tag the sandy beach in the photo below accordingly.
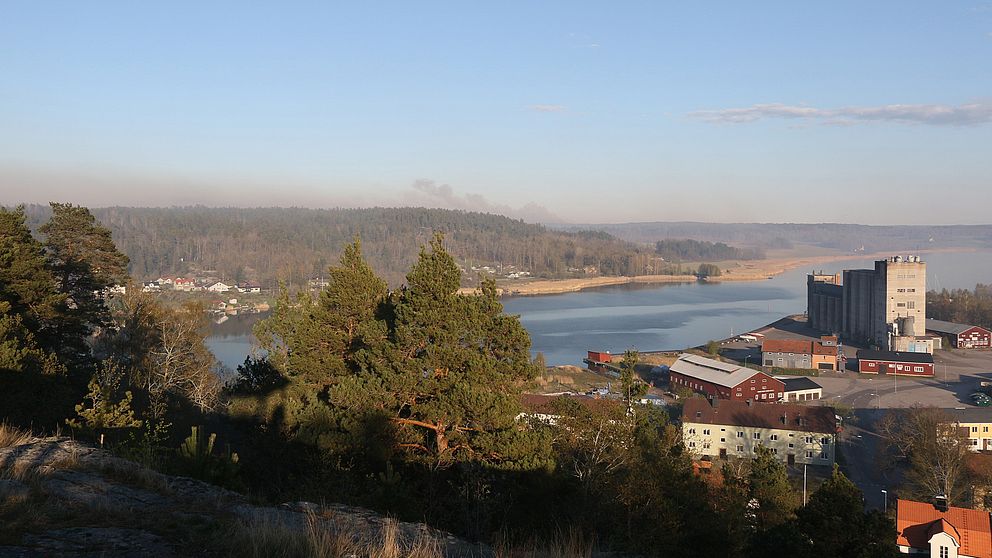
(747, 270)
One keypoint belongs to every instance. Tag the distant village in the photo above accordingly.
(221, 308)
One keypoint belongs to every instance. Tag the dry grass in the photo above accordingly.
(570, 543)
(11, 436)
(263, 536)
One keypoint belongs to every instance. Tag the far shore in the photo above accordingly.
(748, 270)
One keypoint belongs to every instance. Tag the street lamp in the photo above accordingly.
(885, 501)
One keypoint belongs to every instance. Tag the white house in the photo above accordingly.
(219, 287)
(941, 531)
(183, 284)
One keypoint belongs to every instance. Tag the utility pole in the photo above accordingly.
(804, 484)
(885, 501)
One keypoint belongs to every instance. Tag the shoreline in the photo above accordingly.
(750, 270)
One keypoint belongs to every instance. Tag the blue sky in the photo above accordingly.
(874, 112)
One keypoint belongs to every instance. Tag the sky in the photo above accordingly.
(584, 112)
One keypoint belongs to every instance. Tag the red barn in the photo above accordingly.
(962, 336)
(895, 363)
(726, 381)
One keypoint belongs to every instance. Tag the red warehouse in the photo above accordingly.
(962, 336)
(895, 363)
(726, 381)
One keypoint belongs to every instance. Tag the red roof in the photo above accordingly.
(918, 521)
(544, 404)
(797, 346)
(821, 349)
(783, 416)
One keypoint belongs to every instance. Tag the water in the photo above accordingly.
(654, 317)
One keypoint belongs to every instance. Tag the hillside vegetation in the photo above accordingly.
(295, 244)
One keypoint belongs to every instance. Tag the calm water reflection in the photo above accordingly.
(652, 317)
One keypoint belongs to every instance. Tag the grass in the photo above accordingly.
(11, 436)
(568, 543)
(265, 536)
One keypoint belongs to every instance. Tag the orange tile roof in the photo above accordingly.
(918, 521)
(797, 346)
(821, 349)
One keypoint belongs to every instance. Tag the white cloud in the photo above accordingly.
(547, 108)
(934, 115)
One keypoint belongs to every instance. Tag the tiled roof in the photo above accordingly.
(797, 346)
(918, 521)
(821, 349)
(895, 356)
(728, 412)
(712, 371)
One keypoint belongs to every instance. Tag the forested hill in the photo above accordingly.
(873, 238)
(295, 244)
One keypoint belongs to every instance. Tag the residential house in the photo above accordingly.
(542, 407)
(151, 287)
(249, 287)
(895, 363)
(962, 336)
(219, 287)
(977, 423)
(794, 433)
(183, 284)
(942, 531)
(723, 380)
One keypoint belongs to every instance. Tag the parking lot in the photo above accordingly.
(958, 373)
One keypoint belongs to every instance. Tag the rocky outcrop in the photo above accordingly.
(69, 499)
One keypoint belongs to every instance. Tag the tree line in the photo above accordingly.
(689, 250)
(296, 244)
(962, 306)
(403, 399)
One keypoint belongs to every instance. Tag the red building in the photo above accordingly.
(600, 356)
(895, 363)
(962, 336)
(723, 380)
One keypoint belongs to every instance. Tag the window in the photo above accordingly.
(740, 434)
(792, 445)
(692, 444)
(809, 454)
(757, 435)
(985, 429)
(752, 381)
(706, 445)
(974, 429)
(706, 432)
(723, 440)
(775, 451)
(944, 552)
(911, 305)
(809, 439)
(823, 455)
(740, 448)
(773, 437)
(763, 380)
(769, 362)
(900, 305)
(692, 431)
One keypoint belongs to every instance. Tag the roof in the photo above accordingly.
(916, 522)
(952, 328)
(712, 371)
(971, 414)
(800, 383)
(821, 349)
(781, 416)
(895, 356)
(786, 346)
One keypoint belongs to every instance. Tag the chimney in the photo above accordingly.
(940, 502)
(748, 402)
(785, 418)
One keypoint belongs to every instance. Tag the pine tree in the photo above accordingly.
(85, 262)
(105, 407)
(26, 284)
